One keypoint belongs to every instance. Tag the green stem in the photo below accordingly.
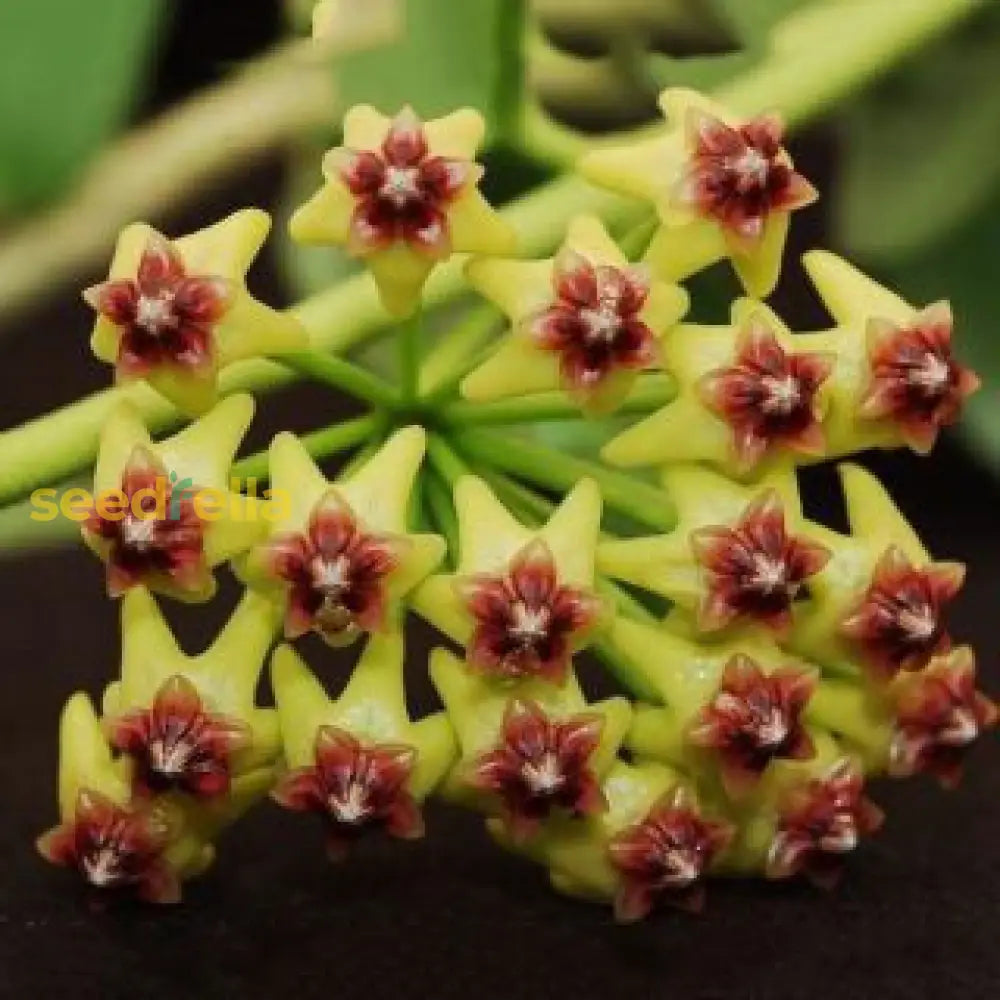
(457, 353)
(625, 604)
(441, 509)
(508, 90)
(651, 392)
(643, 503)
(416, 515)
(449, 465)
(636, 241)
(341, 374)
(19, 533)
(409, 337)
(852, 711)
(621, 668)
(320, 444)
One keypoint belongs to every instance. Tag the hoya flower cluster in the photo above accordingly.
(793, 662)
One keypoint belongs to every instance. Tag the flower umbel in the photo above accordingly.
(822, 821)
(900, 622)
(541, 764)
(754, 569)
(940, 714)
(768, 396)
(753, 719)
(915, 380)
(665, 855)
(114, 848)
(739, 175)
(526, 622)
(177, 743)
(354, 786)
(336, 574)
(142, 546)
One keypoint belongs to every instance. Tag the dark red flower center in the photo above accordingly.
(541, 764)
(915, 379)
(666, 854)
(178, 744)
(401, 191)
(526, 622)
(337, 574)
(768, 396)
(594, 324)
(151, 532)
(755, 569)
(166, 316)
(940, 715)
(900, 622)
(739, 176)
(354, 786)
(821, 821)
(753, 719)
(114, 848)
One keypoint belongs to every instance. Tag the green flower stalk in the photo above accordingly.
(771, 664)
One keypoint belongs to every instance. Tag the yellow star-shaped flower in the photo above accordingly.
(586, 321)
(499, 554)
(339, 555)
(225, 675)
(175, 313)
(896, 381)
(372, 708)
(748, 395)
(403, 195)
(576, 852)
(478, 710)
(722, 187)
(192, 518)
(668, 564)
(877, 528)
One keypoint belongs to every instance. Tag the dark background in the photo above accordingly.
(451, 916)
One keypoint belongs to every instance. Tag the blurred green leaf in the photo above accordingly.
(963, 269)
(70, 72)
(750, 22)
(920, 155)
(449, 57)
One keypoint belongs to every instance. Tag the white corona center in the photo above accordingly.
(401, 185)
(781, 395)
(155, 313)
(544, 776)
